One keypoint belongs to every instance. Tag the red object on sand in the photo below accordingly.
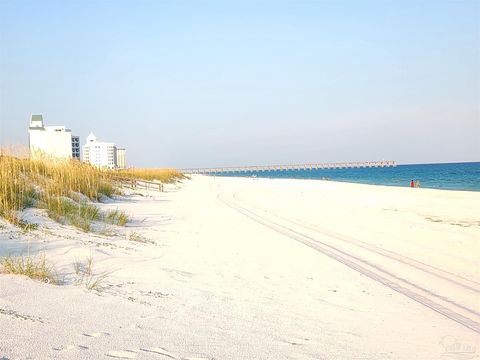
(412, 184)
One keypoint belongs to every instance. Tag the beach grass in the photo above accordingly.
(86, 276)
(67, 189)
(136, 237)
(26, 226)
(164, 175)
(26, 183)
(35, 267)
(116, 217)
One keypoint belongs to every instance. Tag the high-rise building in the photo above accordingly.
(121, 158)
(100, 154)
(51, 141)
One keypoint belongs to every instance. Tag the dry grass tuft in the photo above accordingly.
(26, 226)
(35, 267)
(116, 217)
(136, 237)
(86, 276)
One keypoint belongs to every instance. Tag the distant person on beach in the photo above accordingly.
(412, 184)
(417, 183)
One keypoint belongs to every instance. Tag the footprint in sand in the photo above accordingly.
(70, 347)
(122, 354)
(161, 351)
(96, 334)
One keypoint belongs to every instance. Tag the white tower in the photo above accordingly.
(100, 154)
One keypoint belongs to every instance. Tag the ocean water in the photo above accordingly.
(452, 176)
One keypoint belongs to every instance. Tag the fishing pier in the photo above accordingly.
(270, 168)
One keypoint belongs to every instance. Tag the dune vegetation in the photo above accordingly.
(68, 190)
(163, 175)
(35, 267)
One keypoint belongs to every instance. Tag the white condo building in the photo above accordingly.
(52, 141)
(121, 158)
(100, 154)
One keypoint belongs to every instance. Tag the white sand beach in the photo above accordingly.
(240, 268)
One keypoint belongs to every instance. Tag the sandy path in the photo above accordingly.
(333, 275)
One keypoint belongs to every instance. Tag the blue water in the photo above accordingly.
(453, 176)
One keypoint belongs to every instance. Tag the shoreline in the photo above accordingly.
(439, 176)
(345, 182)
(197, 274)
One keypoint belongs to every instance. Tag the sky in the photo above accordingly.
(227, 83)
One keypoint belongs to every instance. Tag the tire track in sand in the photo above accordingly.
(419, 265)
(364, 267)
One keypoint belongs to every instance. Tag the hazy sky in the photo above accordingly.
(207, 83)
